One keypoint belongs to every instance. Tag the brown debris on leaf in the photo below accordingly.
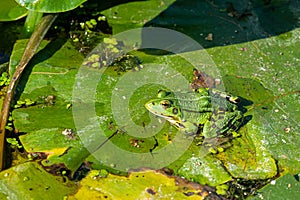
(202, 80)
(192, 188)
(189, 188)
(186, 187)
(209, 37)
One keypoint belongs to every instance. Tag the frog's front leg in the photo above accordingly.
(187, 127)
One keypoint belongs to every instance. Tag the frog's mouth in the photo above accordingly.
(171, 119)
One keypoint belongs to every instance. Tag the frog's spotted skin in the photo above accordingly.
(210, 111)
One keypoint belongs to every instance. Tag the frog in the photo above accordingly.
(209, 112)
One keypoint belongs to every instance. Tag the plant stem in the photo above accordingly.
(33, 43)
(32, 20)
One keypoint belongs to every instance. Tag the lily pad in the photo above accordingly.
(10, 10)
(207, 170)
(272, 127)
(261, 72)
(286, 187)
(144, 184)
(30, 181)
(62, 151)
(228, 22)
(50, 6)
(247, 161)
(134, 14)
(50, 87)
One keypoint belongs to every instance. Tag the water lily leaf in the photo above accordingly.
(272, 126)
(134, 14)
(286, 186)
(64, 150)
(144, 184)
(212, 24)
(10, 10)
(207, 170)
(49, 67)
(30, 181)
(261, 72)
(50, 87)
(50, 6)
(247, 161)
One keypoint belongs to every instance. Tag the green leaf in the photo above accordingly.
(144, 184)
(45, 121)
(265, 75)
(10, 10)
(50, 6)
(261, 72)
(30, 181)
(66, 151)
(246, 159)
(206, 170)
(229, 23)
(134, 14)
(286, 187)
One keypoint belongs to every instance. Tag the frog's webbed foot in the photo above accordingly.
(224, 95)
(215, 145)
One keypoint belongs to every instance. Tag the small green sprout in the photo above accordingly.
(112, 41)
(101, 18)
(222, 189)
(25, 103)
(9, 125)
(4, 79)
(13, 143)
(102, 173)
(69, 105)
(75, 40)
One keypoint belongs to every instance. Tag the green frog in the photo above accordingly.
(208, 112)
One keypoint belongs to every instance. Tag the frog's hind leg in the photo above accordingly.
(220, 129)
(222, 123)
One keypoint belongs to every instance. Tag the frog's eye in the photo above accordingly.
(175, 111)
(162, 93)
(165, 104)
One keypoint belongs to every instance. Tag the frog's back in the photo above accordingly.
(194, 107)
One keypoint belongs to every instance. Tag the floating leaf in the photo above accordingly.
(59, 149)
(246, 160)
(10, 10)
(50, 6)
(144, 184)
(30, 181)
(261, 72)
(206, 170)
(286, 187)
(45, 121)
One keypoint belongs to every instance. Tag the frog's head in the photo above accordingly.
(165, 106)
